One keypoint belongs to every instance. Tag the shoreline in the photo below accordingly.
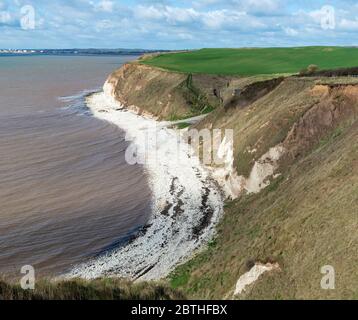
(187, 203)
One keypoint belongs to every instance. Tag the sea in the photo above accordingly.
(66, 192)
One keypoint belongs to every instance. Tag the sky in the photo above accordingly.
(173, 24)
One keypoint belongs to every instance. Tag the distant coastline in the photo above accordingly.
(16, 52)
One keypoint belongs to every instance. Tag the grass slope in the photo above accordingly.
(100, 289)
(255, 61)
(306, 218)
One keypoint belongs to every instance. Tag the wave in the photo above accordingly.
(77, 102)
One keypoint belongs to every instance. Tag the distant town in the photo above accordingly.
(17, 51)
(76, 51)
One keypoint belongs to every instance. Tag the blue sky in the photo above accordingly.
(166, 24)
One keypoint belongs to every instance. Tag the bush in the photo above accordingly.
(311, 69)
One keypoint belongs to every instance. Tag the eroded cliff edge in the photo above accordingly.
(263, 112)
(294, 173)
(164, 95)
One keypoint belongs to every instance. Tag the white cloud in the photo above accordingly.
(223, 19)
(103, 25)
(167, 13)
(104, 5)
(290, 32)
(263, 6)
(215, 19)
(349, 25)
(185, 36)
(175, 24)
(2, 5)
(5, 17)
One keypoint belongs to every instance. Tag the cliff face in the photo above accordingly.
(274, 119)
(164, 95)
(296, 209)
(295, 172)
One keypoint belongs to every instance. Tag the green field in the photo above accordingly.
(247, 62)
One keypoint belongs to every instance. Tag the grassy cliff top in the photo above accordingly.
(256, 61)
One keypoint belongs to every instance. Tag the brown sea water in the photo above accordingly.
(66, 192)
